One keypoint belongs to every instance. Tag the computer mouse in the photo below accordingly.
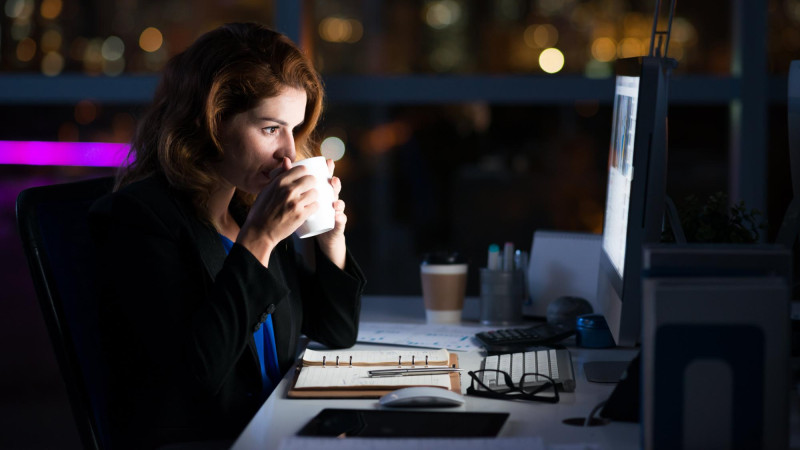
(422, 396)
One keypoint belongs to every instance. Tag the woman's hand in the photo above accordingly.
(281, 207)
(332, 243)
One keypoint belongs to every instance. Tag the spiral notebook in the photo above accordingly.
(345, 373)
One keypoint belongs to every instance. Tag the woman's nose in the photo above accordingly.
(287, 148)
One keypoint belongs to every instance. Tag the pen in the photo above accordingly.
(521, 263)
(494, 258)
(409, 372)
(508, 257)
(517, 259)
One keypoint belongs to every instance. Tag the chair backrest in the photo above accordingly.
(53, 225)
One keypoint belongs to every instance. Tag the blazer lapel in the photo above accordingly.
(205, 238)
(210, 247)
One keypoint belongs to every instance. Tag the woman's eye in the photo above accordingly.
(271, 130)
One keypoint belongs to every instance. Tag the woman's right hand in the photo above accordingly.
(281, 207)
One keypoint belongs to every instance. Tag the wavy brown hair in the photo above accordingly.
(225, 72)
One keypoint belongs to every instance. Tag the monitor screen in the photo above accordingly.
(620, 170)
(636, 189)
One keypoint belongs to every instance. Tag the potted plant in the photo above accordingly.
(715, 221)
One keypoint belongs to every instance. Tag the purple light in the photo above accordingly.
(39, 153)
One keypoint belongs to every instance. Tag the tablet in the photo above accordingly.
(385, 423)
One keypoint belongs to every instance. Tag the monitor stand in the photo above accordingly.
(623, 404)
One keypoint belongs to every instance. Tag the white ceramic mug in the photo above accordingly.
(324, 219)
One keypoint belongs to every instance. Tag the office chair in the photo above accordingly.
(53, 225)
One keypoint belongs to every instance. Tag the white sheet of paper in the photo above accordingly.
(511, 443)
(451, 337)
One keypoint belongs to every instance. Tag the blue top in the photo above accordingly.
(270, 373)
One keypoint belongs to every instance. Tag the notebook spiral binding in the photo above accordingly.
(399, 361)
(324, 362)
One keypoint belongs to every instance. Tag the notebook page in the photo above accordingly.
(378, 357)
(355, 376)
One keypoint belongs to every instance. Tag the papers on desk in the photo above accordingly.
(315, 443)
(500, 443)
(451, 337)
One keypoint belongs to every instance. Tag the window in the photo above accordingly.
(446, 108)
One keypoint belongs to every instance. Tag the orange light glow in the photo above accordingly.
(85, 112)
(604, 49)
(151, 39)
(51, 9)
(26, 49)
(384, 137)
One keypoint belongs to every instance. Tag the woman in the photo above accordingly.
(205, 296)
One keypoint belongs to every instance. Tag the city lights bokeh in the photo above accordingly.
(551, 60)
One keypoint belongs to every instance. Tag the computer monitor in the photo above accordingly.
(787, 234)
(636, 189)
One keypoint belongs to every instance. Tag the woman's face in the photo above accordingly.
(256, 141)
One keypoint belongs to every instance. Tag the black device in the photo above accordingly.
(790, 228)
(634, 205)
(518, 339)
(336, 422)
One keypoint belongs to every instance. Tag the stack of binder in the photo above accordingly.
(715, 346)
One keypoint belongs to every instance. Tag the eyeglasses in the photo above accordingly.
(498, 384)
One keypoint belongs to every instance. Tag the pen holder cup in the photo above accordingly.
(501, 297)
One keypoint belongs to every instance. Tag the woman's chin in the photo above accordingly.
(255, 188)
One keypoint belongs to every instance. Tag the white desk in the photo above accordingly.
(282, 417)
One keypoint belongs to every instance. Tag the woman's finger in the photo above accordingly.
(336, 184)
(285, 166)
(331, 166)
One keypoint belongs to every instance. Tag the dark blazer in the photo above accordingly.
(178, 315)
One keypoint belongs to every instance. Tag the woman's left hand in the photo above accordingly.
(332, 243)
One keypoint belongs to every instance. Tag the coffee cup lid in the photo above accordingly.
(443, 257)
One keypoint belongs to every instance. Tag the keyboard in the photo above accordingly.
(555, 363)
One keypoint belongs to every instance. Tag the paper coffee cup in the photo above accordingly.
(444, 284)
(324, 219)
